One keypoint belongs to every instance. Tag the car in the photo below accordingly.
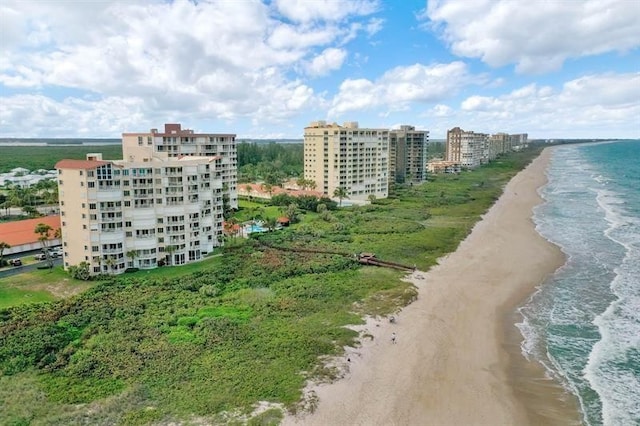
(15, 262)
(41, 256)
(56, 252)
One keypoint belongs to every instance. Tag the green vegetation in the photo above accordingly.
(250, 325)
(39, 157)
(10, 296)
(272, 163)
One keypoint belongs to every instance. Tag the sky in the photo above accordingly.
(266, 69)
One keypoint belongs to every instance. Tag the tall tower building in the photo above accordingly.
(408, 154)
(162, 204)
(176, 142)
(466, 148)
(350, 157)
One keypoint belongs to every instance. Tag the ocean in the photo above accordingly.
(583, 323)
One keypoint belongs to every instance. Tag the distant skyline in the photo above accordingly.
(266, 69)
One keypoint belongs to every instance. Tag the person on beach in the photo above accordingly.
(393, 337)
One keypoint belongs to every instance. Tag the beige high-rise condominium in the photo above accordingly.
(160, 205)
(349, 157)
(466, 148)
(408, 154)
(176, 142)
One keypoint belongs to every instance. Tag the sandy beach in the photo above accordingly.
(456, 359)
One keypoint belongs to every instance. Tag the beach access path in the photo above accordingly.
(449, 364)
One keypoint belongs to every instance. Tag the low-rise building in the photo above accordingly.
(21, 235)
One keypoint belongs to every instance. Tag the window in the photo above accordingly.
(89, 184)
(92, 206)
(139, 140)
(95, 248)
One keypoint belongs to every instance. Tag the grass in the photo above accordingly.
(194, 342)
(10, 296)
(42, 285)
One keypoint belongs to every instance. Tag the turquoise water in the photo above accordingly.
(583, 324)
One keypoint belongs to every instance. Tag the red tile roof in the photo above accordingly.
(22, 231)
(79, 164)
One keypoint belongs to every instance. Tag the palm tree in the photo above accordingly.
(249, 190)
(110, 261)
(271, 223)
(341, 193)
(170, 250)
(132, 254)
(43, 230)
(268, 188)
(3, 246)
(302, 183)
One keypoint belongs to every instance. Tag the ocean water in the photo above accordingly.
(583, 324)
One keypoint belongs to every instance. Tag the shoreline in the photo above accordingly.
(457, 358)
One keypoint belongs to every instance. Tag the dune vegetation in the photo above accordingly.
(208, 341)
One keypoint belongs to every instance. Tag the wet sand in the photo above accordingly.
(457, 359)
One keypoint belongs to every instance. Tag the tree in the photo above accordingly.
(44, 230)
(132, 254)
(271, 223)
(110, 261)
(290, 212)
(249, 190)
(372, 198)
(302, 183)
(341, 193)
(268, 188)
(170, 250)
(3, 246)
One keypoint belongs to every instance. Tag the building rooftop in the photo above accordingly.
(80, 164)
(22, 231)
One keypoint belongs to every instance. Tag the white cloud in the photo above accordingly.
(326, 10)
(584, 107)
(329, 60)
(397, 88)
(440, 110)
(537, 36)
(227, 59)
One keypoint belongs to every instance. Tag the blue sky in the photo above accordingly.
(265, 69)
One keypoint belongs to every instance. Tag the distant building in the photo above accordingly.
(350, 157)
(465, 147)
(408, 154)
(443, 166)
(519, 141)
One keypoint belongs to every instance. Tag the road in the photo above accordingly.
(15, 270)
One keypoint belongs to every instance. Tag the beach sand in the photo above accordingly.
(456, 359)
